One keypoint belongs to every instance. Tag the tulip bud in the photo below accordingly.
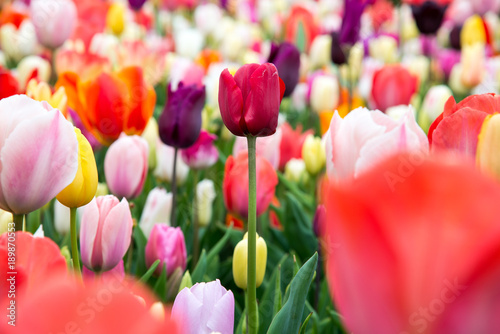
(488, 146)
(313, 154)
(319, 220)
(84, 186)
(105, 232)
(167, 245)
(156, 210)
(286, 58)
(150, 134)
(384, 48)
(205, 196)
(320, 52)
(473, 32)
(54, 21)
(5, 219)
(203, 153)
(473, 64)
(240, 259)
(295, 170)
(126, 166)
(324, 93)
(115, 19)
(433, 105)
(164, 170)
(61, 218)
(136, 4)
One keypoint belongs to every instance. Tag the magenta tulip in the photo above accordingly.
(203, 153)
(105, 232)
(249, 102)
(126, 166)
(205, 308)
(38, 154)
(54, 21)
(167, 245)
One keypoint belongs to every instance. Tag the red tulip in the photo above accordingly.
(249, 102)
(393, 85)
(235, 185)
(8, 84)
(291, 143)
(457, 128)
(413, 246)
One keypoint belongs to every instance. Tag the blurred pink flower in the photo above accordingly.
(54, 21)
(203, 153)
(167, 245)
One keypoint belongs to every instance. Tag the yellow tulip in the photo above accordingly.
(313, 154)
(40, 91)
(488, 146)
(6, 218)
(84, 186)
(115, 20)
(473, 31)
(240, 261)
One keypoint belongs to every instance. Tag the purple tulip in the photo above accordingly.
(205, 308)
(428, 16)
(319, 220)
(203, 153)
(286, 58)
(180, 122)
(126, 166)
(351, 22)
(167, 245)
(105, 232)
(136, 4)
(337, 54)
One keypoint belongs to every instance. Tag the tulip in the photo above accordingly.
(33, 67)
(84, 186)
(286, 58)
(105, 232)
(319, 221)
(110, 103)
(115, 18)
(6, 219)
(205, 308)
(151, 135)
(207, 17)
(377, 136)
(433, 105)
(205, 196)
(136, 4)
(482, 7)
(249, 101)
(18, 42)
(301, 27)
(61, 218)
(126, 166)
(156, 210)
(324, 93)
(240, 258)
(384, 48)
(473, 68)
(429, 15)
(291, 143)
(116, 274)
(235, 184)
(488, 144)
(458, 127)
(266, 147)
(337, 55)
(39, 153)
(203, 153)
(295, 170)
(41, 91)
(180, 122)
(313, 154)
(393, 85)
(164, 168)
(461, 254)
(8, 83)
(167, 245)
(474, 31)
(54, 21)
(320, 52)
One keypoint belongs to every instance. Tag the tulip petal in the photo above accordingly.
(222, 313)
(88, 231)
(230, 103)
(39, 159)
(188, 308)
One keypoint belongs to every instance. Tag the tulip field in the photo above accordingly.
(250, 166)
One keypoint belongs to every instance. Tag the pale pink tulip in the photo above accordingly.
(126, 166)
(364, 138)
(54, 21)
(38, 154)
(105, 232)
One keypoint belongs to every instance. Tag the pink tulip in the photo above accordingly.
(105, 232)
(393, 85)
(205, 308)
(54, 21)
(126, 166)
(116, 274)
(38, 154)
(364, 138)
(202, 154)
(167, 245)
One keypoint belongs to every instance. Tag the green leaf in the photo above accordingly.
(289, 317)
(140, 242)
(160, 287)
(304, 324)
(186, 281)
(277, 293)
(219, 245)
(200, 269)
(304, 198)
(150, 272)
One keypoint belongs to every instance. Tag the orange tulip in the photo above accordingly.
(111, 103)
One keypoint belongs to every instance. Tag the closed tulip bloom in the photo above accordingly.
(84, 186)
(235, 184)
(126, 166)
(445, 220)
(324, 93)
(295, 171)
(433, 105)
(291, 143)
(249, 102)
(156, 210)
(474, 31)
(473, 65)
(203, 153)
(167, 245)
(105, 232)
(205, 196)
(6, 218)
(393, 85)
(429, 15)
(313, 154)
(286, 58)
(39, 154)
(115, 18)
(54, 21)
(205, 308)
(488, 146)
(240, 259)
(180, 122)
(136, 4)
(151, 135)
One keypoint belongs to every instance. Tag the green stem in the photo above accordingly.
(174, 190)
(196, 227)
(18, 222)
(129, 254)
(74, 242)
(252, 239)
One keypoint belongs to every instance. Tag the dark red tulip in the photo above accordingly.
(286, 58)
(429, 15)
(180, 123)
(136, 4)
(249, 102)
